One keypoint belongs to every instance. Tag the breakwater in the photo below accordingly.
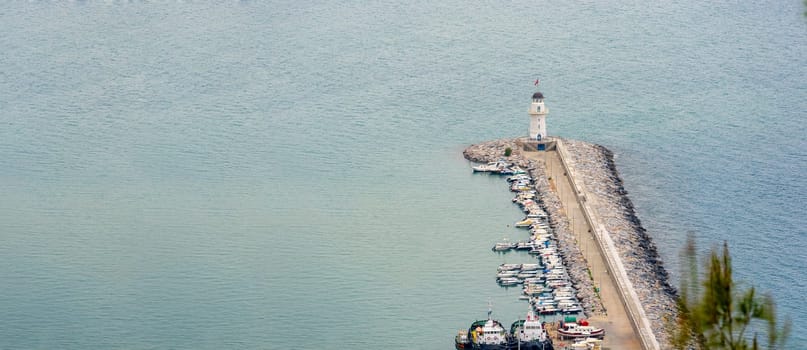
(607, 202)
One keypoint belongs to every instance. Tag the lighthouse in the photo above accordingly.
(538, 113)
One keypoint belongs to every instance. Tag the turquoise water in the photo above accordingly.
(288, 175)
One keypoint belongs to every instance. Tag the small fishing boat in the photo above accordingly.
(507, 273)
(572, 309)
(520, 186)
(509, 281)
(530, 267)
(489, 167)
(536, 214)
(587, 344)
(517, 170)
(503, 246)
(528, 245)
(493, 167)
(534, 280)
(534, 289)
(558, 283)
(582, 329)
(546, 309)
(527, 274)
(509, 267)
(519, 177)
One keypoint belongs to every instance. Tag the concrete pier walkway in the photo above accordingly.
(620, 333)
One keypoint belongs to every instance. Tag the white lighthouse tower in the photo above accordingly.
(538, 113)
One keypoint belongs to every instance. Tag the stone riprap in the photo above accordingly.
(594, 164)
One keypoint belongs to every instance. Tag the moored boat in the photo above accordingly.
(503, 246)
(490, 167)
(497, 167)
(509, 281)
(530, 267)
(580, 330)
(524, 223)
(529, 334)
(507, 274)
(486, 335)
(528, 245)
(587, 344)
(509, 267)
(534, 289)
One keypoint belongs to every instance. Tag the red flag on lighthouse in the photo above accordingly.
(537, 81)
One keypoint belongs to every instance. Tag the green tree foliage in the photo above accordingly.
(508, 151)
(715, 314)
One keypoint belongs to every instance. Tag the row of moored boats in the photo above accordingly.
(545, 283)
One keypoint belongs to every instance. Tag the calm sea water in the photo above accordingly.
(288, 174)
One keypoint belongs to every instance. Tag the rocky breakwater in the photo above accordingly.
(573, 258)
(594, 165)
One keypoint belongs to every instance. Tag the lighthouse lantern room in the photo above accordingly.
(538, 113)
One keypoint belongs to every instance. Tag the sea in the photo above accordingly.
(288, 174)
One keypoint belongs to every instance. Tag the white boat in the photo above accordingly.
(528, 245)
(534, 280)
(483, 334)
(580, 330)
(536, 214)
(507, 274)
(563, 293)
(493, 167)
(527, 274)
(503, 246)
(509, 267)
(565, 304)
(556, 275)
(587, 344)
(571, 309)
(517, 170)
(519, 177)
(483, 168)
(520, 187)
(533, 289)
(530, 267)
(489, 167)
(558, 283)
(529, 334)
(509, 281)
(490, 336)
(565, 289)
(546, 309)
(542, 299)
